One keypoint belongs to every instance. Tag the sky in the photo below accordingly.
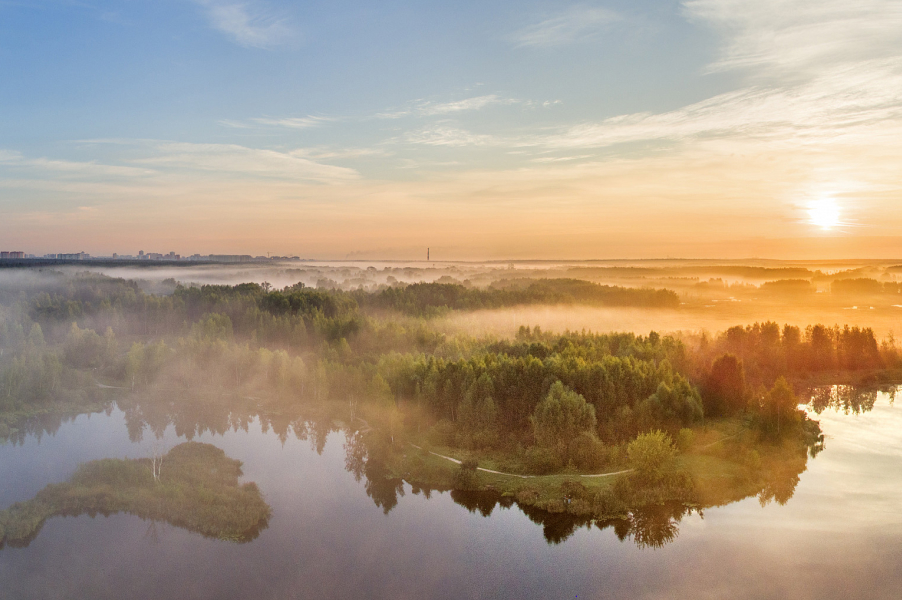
(482, 130)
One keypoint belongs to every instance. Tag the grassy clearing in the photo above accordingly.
(558, 493)
(197, 490)
(724, 463)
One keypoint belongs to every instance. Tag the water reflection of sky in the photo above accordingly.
(840, 536)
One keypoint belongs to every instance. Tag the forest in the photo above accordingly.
(212, 357)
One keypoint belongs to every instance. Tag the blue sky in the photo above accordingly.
(486, 129)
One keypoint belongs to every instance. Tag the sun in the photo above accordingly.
(824, 214)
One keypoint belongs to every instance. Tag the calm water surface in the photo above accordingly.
(840, 536)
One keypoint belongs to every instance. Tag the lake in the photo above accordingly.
(839, 536)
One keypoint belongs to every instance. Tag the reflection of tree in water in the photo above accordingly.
(848, 399)
(316, 431)
(651, 526)
(556, 527)
(39, 426)
(380, 486)
(480, 501)
(154, 530)
(779, 490)
(193, 415)
(778, 483)
(355, 454)
(365, 461)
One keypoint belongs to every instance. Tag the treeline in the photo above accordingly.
(287, 315)
(732, 271)
(847, 288)
(865, 287)
(430, 299)
(34, 374)
(769, 350)
(290, 317)
(734, 371)
(550, 400)
(788, 287)
(293, 318)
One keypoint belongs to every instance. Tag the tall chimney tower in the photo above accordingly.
(427, 254)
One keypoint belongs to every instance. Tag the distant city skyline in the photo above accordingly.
(615, 129)
(140, 256)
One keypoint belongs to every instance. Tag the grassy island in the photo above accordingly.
(196, 488)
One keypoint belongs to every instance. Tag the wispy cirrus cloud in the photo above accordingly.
(293, 122)
(156, 159)
(797, 36)
(445, 135)
(232, 159)
(859, 101)
(249, 24)
(420, 108)
(340, 153)
(826, 73)
(10, 158)
(575, 23)
(468, 104)
(427, 108)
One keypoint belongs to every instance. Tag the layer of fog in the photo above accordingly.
(506, 322)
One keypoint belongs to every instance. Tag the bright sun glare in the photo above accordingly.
(824, 213)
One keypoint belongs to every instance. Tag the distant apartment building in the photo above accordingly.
(11, 254)
(231, 258)
(157, 256)
(74, 256)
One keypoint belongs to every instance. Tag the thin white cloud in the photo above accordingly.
(425, 108)
(293, 122)
(853, 102)
(231, 160)
(68, 167)
(819, 74)
(233, 124)
(344, 153)
(556, 159)
(248, 24)
(573, 24)
(410, 164)
(477, 103)
(394, 114)
(159, 160)
(444, 135)
(795, 36)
